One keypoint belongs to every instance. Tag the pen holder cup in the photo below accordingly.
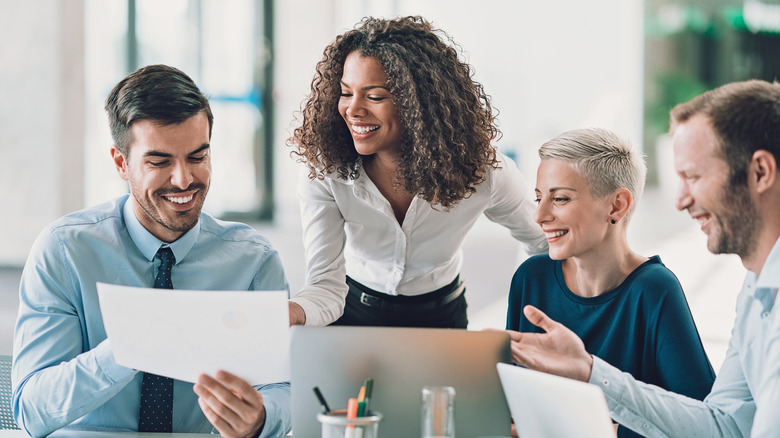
(336, 425)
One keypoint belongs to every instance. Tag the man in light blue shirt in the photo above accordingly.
(727, 149)
(64, 373)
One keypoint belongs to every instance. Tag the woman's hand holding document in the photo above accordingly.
(184, 333)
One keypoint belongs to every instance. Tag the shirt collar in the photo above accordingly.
(770, 274)
(349, 181)
(148, 244)
(765, 285)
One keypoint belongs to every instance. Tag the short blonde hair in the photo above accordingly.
(606, 161)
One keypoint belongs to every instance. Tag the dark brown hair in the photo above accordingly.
(449, 125)
(745, 117)
(160, 93)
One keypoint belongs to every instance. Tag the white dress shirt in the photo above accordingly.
(746, 393)
(349, 228)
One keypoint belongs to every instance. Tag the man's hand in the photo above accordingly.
(558, 351)
(297, 315)
(231, 405)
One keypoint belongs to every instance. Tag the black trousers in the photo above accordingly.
(367, 307)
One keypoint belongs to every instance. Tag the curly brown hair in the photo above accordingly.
(448, 121)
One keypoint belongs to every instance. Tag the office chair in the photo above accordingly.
(6, 413)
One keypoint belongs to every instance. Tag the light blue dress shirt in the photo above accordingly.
(746, 394)
(64, 371)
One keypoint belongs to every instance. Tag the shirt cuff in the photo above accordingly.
(278, 419)
(606, 377)
(629, 412)
(313, 311)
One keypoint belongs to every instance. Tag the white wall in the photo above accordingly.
(41, 119)
(549, 66)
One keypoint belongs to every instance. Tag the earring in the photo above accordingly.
(613, 221)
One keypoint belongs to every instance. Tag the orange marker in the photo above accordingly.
(352, 410)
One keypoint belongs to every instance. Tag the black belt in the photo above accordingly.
(429, 301)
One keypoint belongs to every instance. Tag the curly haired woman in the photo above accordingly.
(397, 140)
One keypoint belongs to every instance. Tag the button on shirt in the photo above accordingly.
(64, 371)
(349, 228)
(746, 393)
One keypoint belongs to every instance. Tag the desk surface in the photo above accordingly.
(103, 433)
(110, 434)
(77, 433)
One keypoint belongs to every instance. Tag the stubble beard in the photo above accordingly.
(738, 223)
(182, 221)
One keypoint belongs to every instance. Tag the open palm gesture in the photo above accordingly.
(557, 351)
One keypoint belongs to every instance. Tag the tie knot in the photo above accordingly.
(167, 259)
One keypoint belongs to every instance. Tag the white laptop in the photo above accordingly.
(401, 361)
(544, 405)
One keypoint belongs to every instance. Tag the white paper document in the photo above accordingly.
(184, 333)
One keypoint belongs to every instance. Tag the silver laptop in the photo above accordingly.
(544, 405)
(401, 361)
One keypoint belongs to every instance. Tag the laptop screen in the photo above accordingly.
(547, 405)
(401, 361)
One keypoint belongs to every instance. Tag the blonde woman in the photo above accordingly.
(628, 309)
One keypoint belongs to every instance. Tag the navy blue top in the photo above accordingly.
(643, 327)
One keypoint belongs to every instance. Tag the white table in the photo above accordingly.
(104, 434)
(70, 433)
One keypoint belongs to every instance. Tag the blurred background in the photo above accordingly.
(549, 66)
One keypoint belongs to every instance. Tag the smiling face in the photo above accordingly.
(168, 169)
(367, 107)
(727, 214)
(574, 222)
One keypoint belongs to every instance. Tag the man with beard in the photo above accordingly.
(64, 372)
(726, 147)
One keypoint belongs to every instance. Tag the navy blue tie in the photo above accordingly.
(156, 410)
